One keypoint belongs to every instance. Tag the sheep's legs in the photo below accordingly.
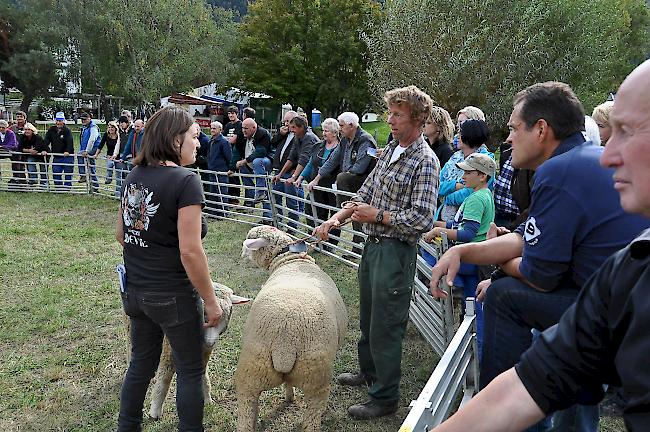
(247, 410)
(288, 392)
(162, 380)
(316, 401)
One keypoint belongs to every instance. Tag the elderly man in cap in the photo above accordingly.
(603, 337)
(575, 223)
(59, 139)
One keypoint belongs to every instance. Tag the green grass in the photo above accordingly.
(380, 128)
(62, 339)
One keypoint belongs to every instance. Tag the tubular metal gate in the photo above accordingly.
(457, 369)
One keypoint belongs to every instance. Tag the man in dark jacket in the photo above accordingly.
(233, 133)
(253, 157)
(219, 156)
(59, 139)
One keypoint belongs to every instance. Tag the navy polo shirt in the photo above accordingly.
(576, 221)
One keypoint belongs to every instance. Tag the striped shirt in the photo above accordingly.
(406, 188)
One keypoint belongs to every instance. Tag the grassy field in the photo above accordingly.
(62, 340)
(380, 129)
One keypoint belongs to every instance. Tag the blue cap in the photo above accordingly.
(59, 116)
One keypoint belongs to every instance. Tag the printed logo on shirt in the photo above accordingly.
(137, 212)
(531, 232)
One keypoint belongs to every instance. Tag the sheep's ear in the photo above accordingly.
(235, 299)
(255, 244)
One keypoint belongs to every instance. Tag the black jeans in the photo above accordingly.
(153, 316)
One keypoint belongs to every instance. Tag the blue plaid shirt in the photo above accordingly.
(503, 201)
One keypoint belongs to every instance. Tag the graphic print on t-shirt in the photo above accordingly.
(138, 208)
(531, 231)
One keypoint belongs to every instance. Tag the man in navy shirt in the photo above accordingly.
(603, 337)
(575, 223)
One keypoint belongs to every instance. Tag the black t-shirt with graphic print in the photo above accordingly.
(151, 197)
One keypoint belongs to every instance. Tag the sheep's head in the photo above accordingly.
(263, 243)
(226, 299)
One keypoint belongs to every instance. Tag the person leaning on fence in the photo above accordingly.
(298, 158)
(395, 206)
(35, 151)
(321, 152)
(473, 136)
(575, 223)
(160, 227)
(8, 145)
(603, 337)
(234, 135)
(281, 144)
(351, 160)
(253, 157)
(133, 143)
(89, 140)
(471, 224)
(219, 156)
(110, 139)
(59, 139)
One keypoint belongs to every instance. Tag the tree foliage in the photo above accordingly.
(29, 48)
(146, 50)
(308, 52)
(482, 52)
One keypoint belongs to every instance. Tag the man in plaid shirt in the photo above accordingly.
(395, 205)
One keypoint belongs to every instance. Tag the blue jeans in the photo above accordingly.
(511, 309)
(291, 203)
(219, 193)
(109, 169)
(261, 167)
(32, 163)
(62, 164)
(153, 316)
(467, 279)
(82, 169)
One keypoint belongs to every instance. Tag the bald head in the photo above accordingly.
(138, 125)
(248, 127)
(628, 148)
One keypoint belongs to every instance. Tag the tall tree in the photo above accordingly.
(471, 52)
(29, 48)
(146, 50)
(308, 52)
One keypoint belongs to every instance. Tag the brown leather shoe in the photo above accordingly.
(369, 410)
(353, 379)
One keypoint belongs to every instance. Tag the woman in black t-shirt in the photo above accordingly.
(160, 228)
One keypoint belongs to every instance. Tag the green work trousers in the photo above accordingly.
(386, 276)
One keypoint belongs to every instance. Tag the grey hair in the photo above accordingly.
(216, 124)
(4, 123)
(331, 125)
(349, 118)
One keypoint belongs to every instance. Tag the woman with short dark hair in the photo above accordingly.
(160, 227)
(473, 136)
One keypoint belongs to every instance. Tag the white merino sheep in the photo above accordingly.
(295, 326)
(166, 368)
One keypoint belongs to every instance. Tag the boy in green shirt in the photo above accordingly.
(471, 224)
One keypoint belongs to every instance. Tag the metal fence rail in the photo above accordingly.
(457, 371)
(432, 317)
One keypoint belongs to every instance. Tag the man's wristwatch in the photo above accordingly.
(380, 217)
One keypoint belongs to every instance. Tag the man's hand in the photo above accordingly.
(322, 231)
(311, 184)
(496, 231)
(66, 154)
(232, 139)
(481, 289)
(213, 314)
(460, 186)
(276, 179)
(365, 213)
(240, 163)
(84, 153)
(284, 130)
(448, 265)
(230, 173)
